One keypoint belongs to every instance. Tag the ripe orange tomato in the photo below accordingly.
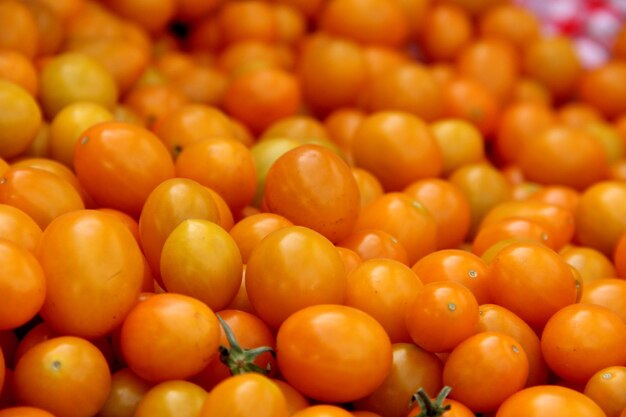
(581, 339)
(532, 281)
(549, 400)
(169, 336)
(96, 255)
(384, 289)
(244, 395)
(310, 270)
(315, 345)
(311, 186)
(441, 305)
(599, 221)
(22, 283)
(119, 164)
(170, 399)
(223, 165)
(397, 148)
(50, 374)
(485, 369)
(605, 388)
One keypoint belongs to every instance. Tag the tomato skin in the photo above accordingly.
(600, 221)
(119, 164)
(581, 339)
(606, 388)
(315, 345)
(549, 400)
(245, 395)
(384, 288)
(534, 297)
(607, 292)
(441, 315)
(169, 329)
(22, 282)
(313, 187)
(485, 369)
(97, 256)
(310, 269)
(172, 399)
(53, 372)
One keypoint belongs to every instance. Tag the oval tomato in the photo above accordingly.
(315, 346)
(311, 186)
(97, 257)
(310, 269)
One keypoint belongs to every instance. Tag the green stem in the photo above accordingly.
(241, 360)
(429, 407)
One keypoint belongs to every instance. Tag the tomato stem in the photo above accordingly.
(429, 407)
(241, 360)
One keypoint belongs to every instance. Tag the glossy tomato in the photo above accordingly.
(315, 345)
(96, 256)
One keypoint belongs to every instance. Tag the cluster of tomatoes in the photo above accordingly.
(308, 208)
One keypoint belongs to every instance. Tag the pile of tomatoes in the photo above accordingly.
(308, 208)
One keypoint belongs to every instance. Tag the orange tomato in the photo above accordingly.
(22, 282)
(311, 271)
(172, 326)
(71, 254)
(51, 373)
(311, 186)
(398, 148)
(119, 164)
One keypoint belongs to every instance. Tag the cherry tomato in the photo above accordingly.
(549, 400)
(310, 269)
(313, 187)
(316, 344)
(172, 398)
(532, 281)
(67, 376)
(245, 395)
(384, 289)
(581, 339)
(485, 369)
(97, 256)
(169, 336)
(119, 164)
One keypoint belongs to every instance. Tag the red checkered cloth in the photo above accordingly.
(592, 24)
